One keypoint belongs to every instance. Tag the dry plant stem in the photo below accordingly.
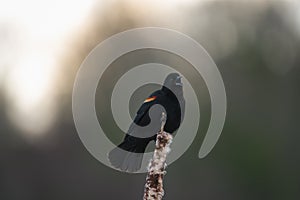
(156, 169)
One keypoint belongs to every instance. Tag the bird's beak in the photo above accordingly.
(178, 81)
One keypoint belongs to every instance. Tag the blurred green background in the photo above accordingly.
(255, 46)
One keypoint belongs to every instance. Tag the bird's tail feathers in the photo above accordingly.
(128, 156)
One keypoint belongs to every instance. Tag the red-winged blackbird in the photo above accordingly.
(129, 154)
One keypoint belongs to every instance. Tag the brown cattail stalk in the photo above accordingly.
(156, 169)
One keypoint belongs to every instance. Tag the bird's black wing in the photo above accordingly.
(142, 117)
(127, 156)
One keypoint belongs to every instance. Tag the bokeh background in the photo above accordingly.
(255, 46)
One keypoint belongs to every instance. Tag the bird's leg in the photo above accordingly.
(163, 121)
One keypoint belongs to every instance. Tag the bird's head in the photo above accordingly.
(173, 82)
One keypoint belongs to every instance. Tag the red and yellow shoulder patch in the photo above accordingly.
(149, 99)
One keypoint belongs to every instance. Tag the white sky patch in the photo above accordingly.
(166, 6)
(28, 89)
(34, 36)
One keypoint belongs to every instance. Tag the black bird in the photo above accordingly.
(129, 154)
